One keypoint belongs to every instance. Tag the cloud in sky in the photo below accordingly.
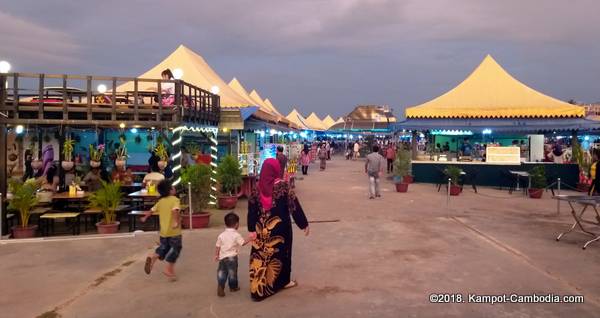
(324, 56)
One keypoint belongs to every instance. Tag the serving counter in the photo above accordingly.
(493, 174)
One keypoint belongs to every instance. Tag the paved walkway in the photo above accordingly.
(364, 258)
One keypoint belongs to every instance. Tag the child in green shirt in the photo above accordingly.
(170, 246)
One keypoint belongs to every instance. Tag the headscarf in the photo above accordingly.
(269, 173)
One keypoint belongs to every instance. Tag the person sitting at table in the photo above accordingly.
(167, 90)
(92, 179)
(50, 180)
(122, 175)
(153, 177)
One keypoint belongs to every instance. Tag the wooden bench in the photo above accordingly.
(47, 221)
(133, 216)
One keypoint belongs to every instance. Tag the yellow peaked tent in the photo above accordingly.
(491, 92)
(340, 121)
(273, 108)
(328, 121)
(196, 72)
(240, 90)
(295, 117)
(314, 122)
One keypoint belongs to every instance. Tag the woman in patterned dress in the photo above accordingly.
(270, 213)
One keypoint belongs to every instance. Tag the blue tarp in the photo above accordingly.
(247, 112)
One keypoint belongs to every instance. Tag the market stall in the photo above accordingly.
(487, 118)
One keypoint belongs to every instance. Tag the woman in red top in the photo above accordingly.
(390, 155)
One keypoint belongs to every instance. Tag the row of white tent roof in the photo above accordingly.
(233, 95)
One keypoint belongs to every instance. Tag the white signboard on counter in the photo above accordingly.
(508, 155)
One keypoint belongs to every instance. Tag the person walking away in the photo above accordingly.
(390, 155)
(328, 149)
(170, 246)
(323, 157)
(282, 160)
(271, 208)
(227, 249)
(374, 169)
(356, 150)
(305, 160)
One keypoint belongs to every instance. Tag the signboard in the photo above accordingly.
(503, 155)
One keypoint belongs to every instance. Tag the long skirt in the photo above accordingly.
(323, 164)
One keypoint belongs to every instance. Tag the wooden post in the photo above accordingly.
(41, 97)
(89, 97)
(16, 95)
(136, 106)
(64, 96)
(113, 115)
(413, 145)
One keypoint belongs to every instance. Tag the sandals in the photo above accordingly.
(293, 283)
(148, 265)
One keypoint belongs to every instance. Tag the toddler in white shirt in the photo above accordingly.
(227, 249)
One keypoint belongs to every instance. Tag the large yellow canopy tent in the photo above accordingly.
(328, 121)
(295, 117)
(240, 90)
(315, 123)
(196, 72)
(491, 92)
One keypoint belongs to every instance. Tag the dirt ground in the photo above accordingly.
(363, 258)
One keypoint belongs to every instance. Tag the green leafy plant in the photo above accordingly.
(229, 175)
(199, 177)
(538, 177)
(161, 152)
(402, 164)
(96, 153)
(453, 172)
(579, 157)
(68, 147)
(23, 198)
(107, 199)
(122, 150)
(192, 149)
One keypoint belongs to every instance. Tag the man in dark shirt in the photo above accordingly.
(282, 160)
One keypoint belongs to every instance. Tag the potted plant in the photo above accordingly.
(402, 170)
(96, 155)
(162, 154)
(193, 150)
(36, 162)
(23, 200)
(107, 199)
(453, 173)
(537, 176)
(229, 176)
(121, 153)
(68, 146)
(584, 162)
(199, 177)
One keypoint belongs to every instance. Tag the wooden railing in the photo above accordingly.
(81, 100)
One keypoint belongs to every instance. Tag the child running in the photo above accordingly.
(226, 253)
(170, 246)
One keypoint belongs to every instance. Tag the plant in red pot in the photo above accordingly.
(229, 176)
(23, 200)
(198, 176)
(538, 182)
(107, 199)
(453, 173)
(402, 166)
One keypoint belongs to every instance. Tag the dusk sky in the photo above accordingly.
(322, 56)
